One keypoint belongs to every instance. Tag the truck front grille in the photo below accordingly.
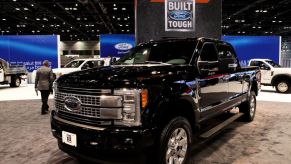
(85, 111)
(85, 99)
(101, 106)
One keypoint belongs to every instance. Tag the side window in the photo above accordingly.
(208, 52)
(208, 60)
(227, 60)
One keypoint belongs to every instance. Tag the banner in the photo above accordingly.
(116, 45)
(179, 15)
(250, 47)
(29, 50)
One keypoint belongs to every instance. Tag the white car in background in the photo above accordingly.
(77, 65)
(272, 74)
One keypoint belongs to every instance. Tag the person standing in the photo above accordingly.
(43, 83)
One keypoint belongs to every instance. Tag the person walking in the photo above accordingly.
(43, 83)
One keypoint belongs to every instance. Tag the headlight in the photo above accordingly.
(133, 102)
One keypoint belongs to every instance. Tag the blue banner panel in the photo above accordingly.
(116, 45)
(29, 50)
(250, 47)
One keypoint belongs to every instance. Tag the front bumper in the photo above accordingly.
(96, 142)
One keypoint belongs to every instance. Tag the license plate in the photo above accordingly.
(69, 138)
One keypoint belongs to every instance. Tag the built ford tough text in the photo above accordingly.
(154, 98)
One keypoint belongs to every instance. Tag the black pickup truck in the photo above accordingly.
(154, 98)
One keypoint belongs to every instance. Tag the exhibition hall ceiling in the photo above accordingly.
(87, 19)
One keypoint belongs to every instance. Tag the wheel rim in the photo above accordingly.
(282, 87)
(17, 82)
(177, 147)
(252, 106)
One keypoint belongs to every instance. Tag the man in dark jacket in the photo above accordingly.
(43, 82)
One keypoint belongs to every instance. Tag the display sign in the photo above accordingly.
(116, 45)
(250, 47)
(30, 50)
(179, 15)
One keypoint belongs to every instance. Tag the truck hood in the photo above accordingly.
(123, 76)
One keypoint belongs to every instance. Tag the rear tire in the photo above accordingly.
(282, 86)
(175, 141)
(15, 81)
(248, 108)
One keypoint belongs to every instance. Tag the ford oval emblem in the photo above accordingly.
(180, 15)
(123, 46)
(72, 104)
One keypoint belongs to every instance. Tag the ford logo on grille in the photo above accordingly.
(72, 104)
(180, 15)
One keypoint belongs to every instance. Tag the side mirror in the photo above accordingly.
(264, 67)
(206, 67)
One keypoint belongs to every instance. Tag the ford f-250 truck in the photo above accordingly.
(154, 98)
(273, 74)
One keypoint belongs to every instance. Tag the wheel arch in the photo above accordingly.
(279, 77)
(183, 106)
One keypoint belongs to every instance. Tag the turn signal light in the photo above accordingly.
(144, 98)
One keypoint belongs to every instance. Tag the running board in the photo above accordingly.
(220, 126)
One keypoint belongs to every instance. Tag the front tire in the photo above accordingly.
(248, 108)
(15, 82)
(175, 141)
(282, 86)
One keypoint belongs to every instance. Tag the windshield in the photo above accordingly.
(272, 63)
(74, 64)
(178, 52)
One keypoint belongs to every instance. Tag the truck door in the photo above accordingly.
(265, 71)
(229, 65)
(213, 85)
(1, 72)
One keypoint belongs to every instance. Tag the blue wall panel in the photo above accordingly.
(29, 50)
(249, 47)
(116, 45)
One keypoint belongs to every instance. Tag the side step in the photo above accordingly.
(220, 126)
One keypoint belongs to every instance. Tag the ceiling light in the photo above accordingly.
(265, 11)
(254, 26)
(115, 8)
(45, 19)
(25, 8)
(280, 21)
(76, 4)
(3, 19)
(123, 8)
(25, 17)
(17, 8)
(125, 18)
(37, 19)
(273, 21)
(127, 30)
(113, 16)
(32, 5)
(118, 18)
(67, 8)
(114, 4)
(14, 0)
(78, 19)
(75, 8)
